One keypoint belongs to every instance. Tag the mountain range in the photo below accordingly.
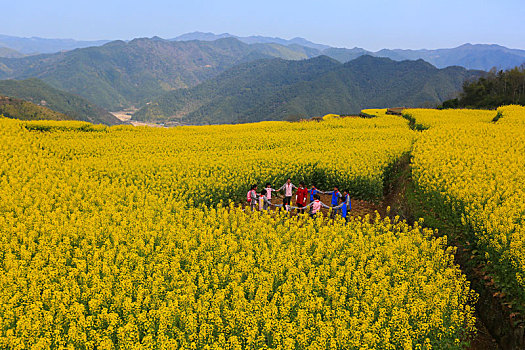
(277, 89)
(478, 56)
(35, 45)
(199, 75)
(122, 74)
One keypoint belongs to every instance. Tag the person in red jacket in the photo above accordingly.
(300, 197)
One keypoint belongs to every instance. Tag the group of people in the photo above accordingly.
(340, 203)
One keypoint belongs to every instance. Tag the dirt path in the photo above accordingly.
(396, 196)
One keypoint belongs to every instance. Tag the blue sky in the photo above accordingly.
(372, 24)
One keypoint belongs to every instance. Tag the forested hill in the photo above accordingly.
(229, 97)
(10, 53)
(287, 90)
(74, 107)
(120, 74)
(19, 109)
(495, 89)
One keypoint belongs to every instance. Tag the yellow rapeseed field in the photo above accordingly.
(116, 238)
(473, 171)
(452, 118)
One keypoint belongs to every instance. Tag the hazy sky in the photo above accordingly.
(371, 24)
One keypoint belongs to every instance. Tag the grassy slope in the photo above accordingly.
(10, 53)
(75, 107)
(20, 109)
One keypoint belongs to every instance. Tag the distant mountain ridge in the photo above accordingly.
(35, 45)
(477, 56)
(470, 56)
(286, 90)
(68, 106)
(253, 39)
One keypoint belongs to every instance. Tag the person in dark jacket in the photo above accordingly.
(312, 192)
(345, 206)
(335, 199)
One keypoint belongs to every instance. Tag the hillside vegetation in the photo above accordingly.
(75, 107)
(289, 90)
(23, 110)
(120, 74)
(497, 88)
(10, 53)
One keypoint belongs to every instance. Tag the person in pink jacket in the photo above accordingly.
(269, 191)
(251, 197)
(315, 206)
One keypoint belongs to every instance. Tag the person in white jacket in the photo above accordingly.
(288, 188)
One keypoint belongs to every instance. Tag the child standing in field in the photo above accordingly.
(300, 197)
(288, 188)
(345, 206)
(313, 191)
(269, 191)
(251, 197)
(264, 203)
(335, 199)
(316, 206)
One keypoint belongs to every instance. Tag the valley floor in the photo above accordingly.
(125, 116)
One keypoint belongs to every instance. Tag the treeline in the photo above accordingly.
(495, 89)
